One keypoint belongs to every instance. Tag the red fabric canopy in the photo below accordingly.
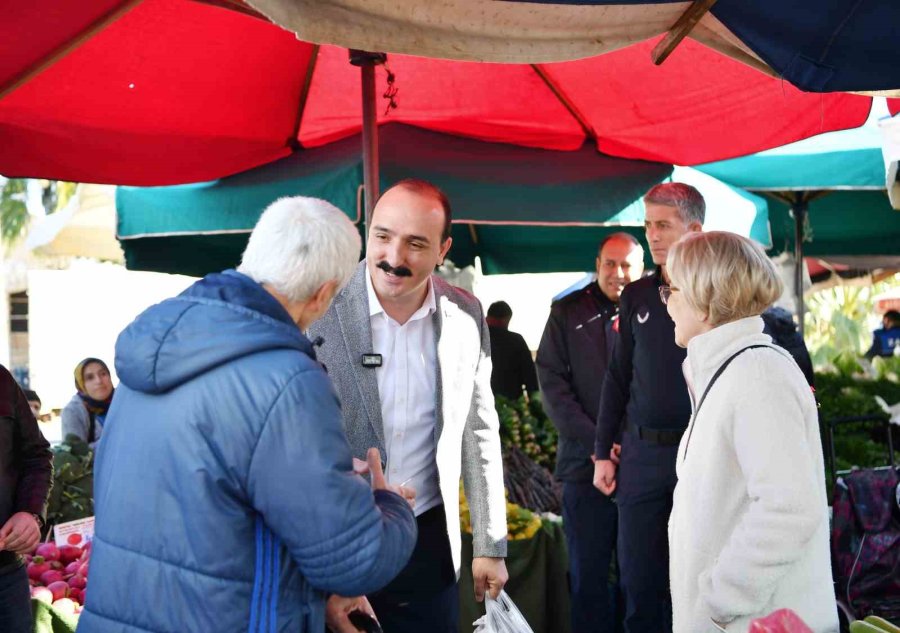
(179, 91)
(893, 106)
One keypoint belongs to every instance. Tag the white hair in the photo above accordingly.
(299, 244)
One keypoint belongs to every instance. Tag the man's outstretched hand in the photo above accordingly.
(372, 467)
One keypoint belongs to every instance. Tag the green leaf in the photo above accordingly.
(13, 211)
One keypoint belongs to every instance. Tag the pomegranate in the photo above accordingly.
(73, 567)
(48, 551)
(65, 605)
(59, 589)
(43, 594)
(49, 577)
(37, 567)
(83, 570)
(68, 553)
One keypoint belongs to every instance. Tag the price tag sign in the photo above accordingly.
(76, 532)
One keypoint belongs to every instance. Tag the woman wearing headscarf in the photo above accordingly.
(86, 412)
(748, 533)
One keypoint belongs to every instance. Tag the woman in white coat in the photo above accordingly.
(748, 533)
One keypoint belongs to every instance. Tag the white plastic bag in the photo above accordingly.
(501, 616)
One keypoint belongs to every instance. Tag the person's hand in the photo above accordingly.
(360, 467)
(379, 482)
(615, 453)
(338, 609)
(407, 493)
(20, 534)
(605, 476)
(489, 574)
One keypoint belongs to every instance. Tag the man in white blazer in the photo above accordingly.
(409, 355)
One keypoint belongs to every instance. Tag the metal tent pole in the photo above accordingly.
(367, 62)
(799, 209)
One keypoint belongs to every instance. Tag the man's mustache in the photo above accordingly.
(400, 271)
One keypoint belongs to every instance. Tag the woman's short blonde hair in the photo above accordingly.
(723, 275)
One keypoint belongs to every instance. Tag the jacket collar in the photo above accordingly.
(594, 290)
(658, 276)
(237, 288)
(706, 352)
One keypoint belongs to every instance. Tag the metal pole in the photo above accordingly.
(367, 62)
(799, 209)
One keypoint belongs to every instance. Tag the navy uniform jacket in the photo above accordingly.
(571, 362)
(644, 384)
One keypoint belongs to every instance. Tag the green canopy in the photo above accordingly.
(840, 178)
(850, 159)
(518, 209)
(828, 196)
(840, 223)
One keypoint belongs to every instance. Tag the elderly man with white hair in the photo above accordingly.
(225, 493)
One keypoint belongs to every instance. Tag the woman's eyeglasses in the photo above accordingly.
(665, 292)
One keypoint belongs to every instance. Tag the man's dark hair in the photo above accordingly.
(893, 316)
(620, 235)
(31, 396)
(499, 310)
(426, 188)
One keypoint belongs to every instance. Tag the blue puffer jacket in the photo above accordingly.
(225, 497)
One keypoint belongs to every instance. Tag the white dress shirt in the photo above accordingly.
(407, 384)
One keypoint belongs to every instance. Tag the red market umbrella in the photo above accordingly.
(176, 91)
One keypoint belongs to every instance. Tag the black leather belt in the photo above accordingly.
(663, 437)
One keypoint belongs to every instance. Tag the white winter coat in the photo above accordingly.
(748, 532)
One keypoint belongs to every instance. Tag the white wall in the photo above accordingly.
(529, 296)
(79, 312)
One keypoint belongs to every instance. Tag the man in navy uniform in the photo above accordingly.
(572, 360)
(645, 389)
